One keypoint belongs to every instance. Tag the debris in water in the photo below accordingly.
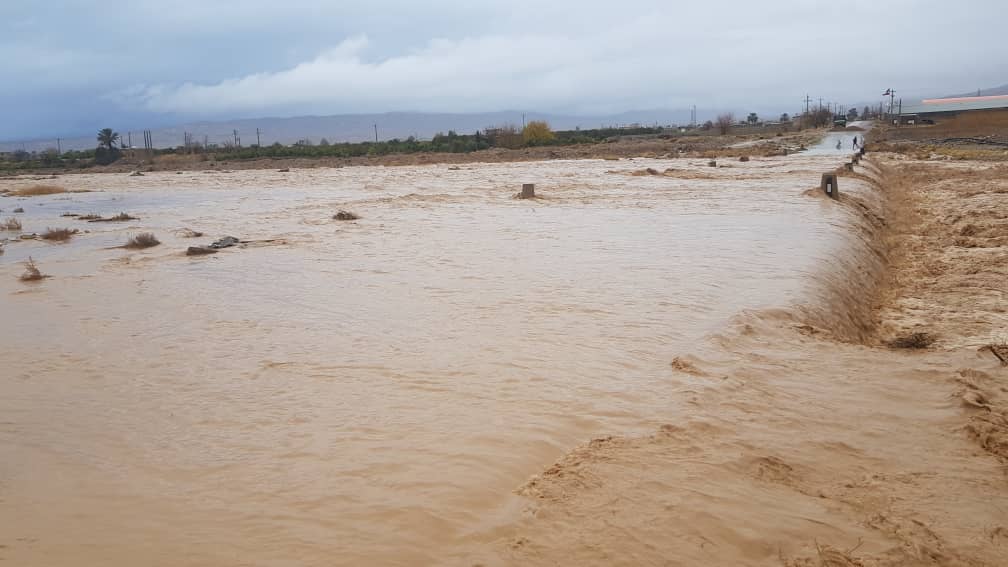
(142, 240)
(59, 234)
(226, 242)
(918, 340)
(118, 218)
(32, 273)
(345, 216)
(200, 251)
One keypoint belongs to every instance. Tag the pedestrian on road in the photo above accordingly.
(854, 143)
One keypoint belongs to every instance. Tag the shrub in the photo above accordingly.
(537, 133)
(725, 122)
(345, 216)
(58, 234)
(105, 156)
(11, 224)
(142, 240)
(117, 218)
(32, 273)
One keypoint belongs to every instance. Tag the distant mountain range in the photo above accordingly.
(355, 128)
(995, 91)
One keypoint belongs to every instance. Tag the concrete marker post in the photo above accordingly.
(528, 191)
(828, 184)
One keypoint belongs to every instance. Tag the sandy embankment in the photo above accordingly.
(811, 443)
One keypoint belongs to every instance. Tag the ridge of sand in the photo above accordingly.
(799, 449)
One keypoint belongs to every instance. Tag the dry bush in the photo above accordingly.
(32, 273)
(142, 240)
(58, 234)
(70, 215)
(917, 340)
(117, 218)
(188, 233)
(11, 224)
(725, 122)
(89, 217)
(19, 210)
(39, 190)
(345, 216)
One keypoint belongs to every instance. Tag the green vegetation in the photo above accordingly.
(537, 133)
(507, 136)
(107, 138)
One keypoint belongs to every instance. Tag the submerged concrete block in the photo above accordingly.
(829, 185)
(528, 191)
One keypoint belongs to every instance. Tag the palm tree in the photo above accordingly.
(107, 137)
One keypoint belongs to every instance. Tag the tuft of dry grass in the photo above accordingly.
(345, 216)
(39, 190)
(917, 340)
(142, 240)
(11, 224)
(70, 215)
(32, 273)
(58, 234)
(19, 210)
(88, 217)
(117, 218)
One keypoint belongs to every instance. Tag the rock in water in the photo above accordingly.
(200, 251)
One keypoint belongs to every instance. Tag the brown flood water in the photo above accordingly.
(372, 391)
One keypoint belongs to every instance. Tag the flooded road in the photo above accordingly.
(369, 391)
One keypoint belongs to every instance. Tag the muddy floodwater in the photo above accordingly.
(373, 391)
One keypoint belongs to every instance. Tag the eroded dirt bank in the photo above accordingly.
(811, 442)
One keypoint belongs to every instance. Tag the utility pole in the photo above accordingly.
(376, 133)
(59, 149)
(258, 141)
(523, 120)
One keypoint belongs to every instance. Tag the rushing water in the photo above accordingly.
(369, 391)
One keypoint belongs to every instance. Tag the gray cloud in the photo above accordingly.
(199, 59)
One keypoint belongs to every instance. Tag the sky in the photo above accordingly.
(70, 67)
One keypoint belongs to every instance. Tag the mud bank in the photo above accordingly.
(809, 442)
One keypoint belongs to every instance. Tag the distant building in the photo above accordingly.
(935, 108)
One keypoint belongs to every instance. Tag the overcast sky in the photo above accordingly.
(71, 66)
